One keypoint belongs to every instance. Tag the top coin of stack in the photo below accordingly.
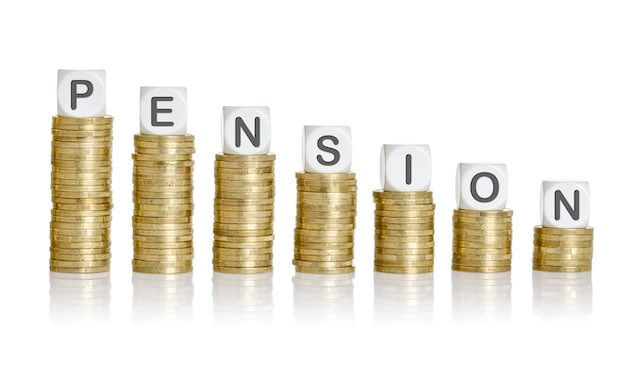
(81, 194)
(564, 242)
(163, 205)
(243, 221)
(482, 240)
(404, 232)
(326, 211)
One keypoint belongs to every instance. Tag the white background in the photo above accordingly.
(550, 88)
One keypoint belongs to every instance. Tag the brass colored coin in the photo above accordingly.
(80, 175)
(223, 184)
(327, 189)
(79, 251)
(482, 220)
(398, 220)
(245, 170)
(82, 206)
(61, 148)
(162, 181)
(161, 264)
(163, 195)
(244, 264)
(165, 233)
(163, 164)
(483, 213)
(327, 271)
(80, 164)
(319, 207)
(243, 202)
(77, 182)
(242, 165)
(563, 231)
(483, 232)
(404, 214)
(166, 201)
(244, 196)
(168, 239)
(396, 203)
(481, 251)
(485, 269)
(326, 177)
(76, 225)
(244, 177)
(81, 257)
(79, 244)
(386, 263)
(164, 144)
(243, 226)
(481, 257)
(405, 208)
(162, 226)
(220, 257)
(78, 232)
(229, 214)
(322, 252)
(324, 264)
(267, 239)
(243, 251)
(163, 158)
(304, 220)
(162, 258)
(537, 256)
(575, 244)
(550, 262)
(243, 234)
(225, 220)
(165, 150)
(405, 233)
(403, 257)
(164, 208)
(323, 258)
(379, 194)
(326, 214)
(169, 170)
(482, 226)
(79, 269)
(243, 245)
(163, 138)
(558, 239)
(309, 204)
(106, 200)
(71, 157)
(404, 270)
(165, 213)
(245, 189)
(246, 158)
(408, 242)
(325, 226)
(163, 251)
(98, 263)
(562, 268)
(80, 132)
(480, 263)
(163, 270)
(83, 120)
(323, 245)
(328, 196)
(403, 251)
(405, 226)
(239, 270)
(161, 245)
(488, 241)
(564, 251)
(324, 233)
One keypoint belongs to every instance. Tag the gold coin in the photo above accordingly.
(323, 264)
(78, 232)
(482, 226)
(483, 232)
(239, 270)
(79, 269)
(166, 201)
(68, 148)
(163, 270)
(163, 195)
(324, 233)
(220, 256)
(80, 175)
(70, 157)
(304, 220)
(404, 270)
(481, 251)
(243, 264)
(162, 226)
(83, 120)
(325, 226)
(379, 194)
(327, 271)
(223, 184)
(387, 263)
(164, 233)
(185, 239)
(568, 244)
(79, 251)
(564, 251)
(88, 213)
(327, 189)
(85, 225)
(558, 239)
(243, 226)
(244, 196)
(76, 182)
(244, 171)
(562, 257)
(551, 262)
(163, 213)
(480, 263)
(267, 239)
(328, 196)
(405, 227)
(80, 257)
(163, 207)
(323, 252)
(481, 257)
(163, 251)
(562, 268)
(243, 245)
(245, 189)
(162, 257)
(161, 264)
(81, 164)
(81, 220)
(59, 263)
(483, 220)
(319, 207)
(163, 138)
(323, 245)
(326, 214)
(243, 215)
(405, 233)
(485, 269)
(244, 178)
(243, 202)
(481, 245)
(409, 242)
(404, 214)
(168, 170)
(405, 208)
(243, 164)
(162, 182)
(79, 244)
(245, 158)
(225, 220)
(483, 213)
(165, 150)
(588, 231)
(327, 177)
(404, 251)
(421, 204)
(163, 158)
(164, 144)
(243, 234)
(463, 238)
(323, 258)
(242, 251)
(163, 164)
(82, 206)
(398, 220)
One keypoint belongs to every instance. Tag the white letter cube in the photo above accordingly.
(481, 186)
(246, 130)
(327, 149)
(163, 110)
(405, 167)
(82, 93)
(565, 204)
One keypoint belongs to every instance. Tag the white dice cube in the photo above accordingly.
(405, 167)
(163, 110)
(327, 149)
(481, 186)
(565, 204)
(246, 130)
(82, 93)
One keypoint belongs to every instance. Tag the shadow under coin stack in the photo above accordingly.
(243, 213)
(482, 240)
(163, 205)
(404, 232)
(81, 194)
(562, 249)
(325, 222)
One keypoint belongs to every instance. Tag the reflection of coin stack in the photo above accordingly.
(81, 194)
(560, 295)
(403, 297)
(481, 295)
(404, 232)
(326, 210)
(243, 298)
(159, 296)
(323, 297)
(482, 240)
(243, 222)
(80, 296)
(562, 249)
(162, 182)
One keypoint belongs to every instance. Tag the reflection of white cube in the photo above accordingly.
(405, 167)
(246, 130)
(565, 204)
(481, 186)
(327, 149)
(163, 110)
(82, 93)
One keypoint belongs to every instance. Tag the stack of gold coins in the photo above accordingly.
(482, 240)
(243, 213)
(325, 223)
(562, 249)
(81, 194)
(404, 232)
(163, 205)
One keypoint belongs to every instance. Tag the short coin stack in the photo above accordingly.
(562, 249)
(326, 213)
(404, 232)
(482, 240)
(81, 194)
(243, 213)
(163, 205)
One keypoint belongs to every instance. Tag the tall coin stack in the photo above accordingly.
(562, 249)
(404, 232)
(243, 213)
(482, 240)
(81, 194)
(325, 222)
(163, 204)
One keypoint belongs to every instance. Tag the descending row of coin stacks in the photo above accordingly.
(81, 176)
(564, 241)
(245, 191)
(481, 224)
(162, 184)
(326, 203)
(404, 212)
